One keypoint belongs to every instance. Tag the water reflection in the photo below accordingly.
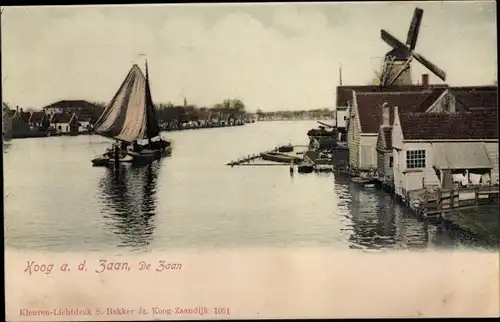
(128, 197)
(378, 222)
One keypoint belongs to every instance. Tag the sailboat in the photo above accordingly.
(130, 119)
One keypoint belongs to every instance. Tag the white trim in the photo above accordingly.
(369, 134)
(355, 105)
(438, 100)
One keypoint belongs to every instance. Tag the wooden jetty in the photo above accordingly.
(251, 160)
(252, 157)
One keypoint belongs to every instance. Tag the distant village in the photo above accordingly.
(74, 117)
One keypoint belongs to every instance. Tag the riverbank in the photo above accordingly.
(167, 128)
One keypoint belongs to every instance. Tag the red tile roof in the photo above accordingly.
(37, 117)
(370, 110)
(345, 95)
(84, 118)
(25, 116)
(71, 104)
(476, 98)
(61, 118)
(480, 124)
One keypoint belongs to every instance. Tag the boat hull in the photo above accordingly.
(305, 168)
(367, 182)
(286, 148)
(278, 157)
(107, 160)
(143, 156)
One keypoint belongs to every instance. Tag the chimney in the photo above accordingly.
(396, 111)
(21, 109)
(425, 80)
(385, 115)
(17, 108)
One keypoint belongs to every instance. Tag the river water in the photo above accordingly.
(56, 201)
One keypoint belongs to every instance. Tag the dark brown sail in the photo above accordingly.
(153, 128)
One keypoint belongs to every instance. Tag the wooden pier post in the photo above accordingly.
(476, 193)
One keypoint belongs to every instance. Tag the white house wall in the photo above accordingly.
(65, 128)
(342, 115)
(397, 145)
(353, 139)
(414, 179)
(492, 148)
(368, 152)
(83, 126)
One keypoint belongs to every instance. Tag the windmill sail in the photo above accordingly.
(130, 115)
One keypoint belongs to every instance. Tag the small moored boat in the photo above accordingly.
(367, 182)
(279, 157)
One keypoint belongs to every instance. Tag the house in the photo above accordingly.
(456, 99)
(430, 148)
(345, 97)
(385, 159)
(64, 123)
(20, 123)
(73, 106)
(365, 118)
(39, 121)
(85, 123)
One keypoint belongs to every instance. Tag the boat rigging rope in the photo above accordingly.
(90, 141)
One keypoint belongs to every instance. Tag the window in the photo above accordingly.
(391, 162)
(345, 117)
(415, 159)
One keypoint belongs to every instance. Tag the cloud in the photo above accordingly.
(272, 56)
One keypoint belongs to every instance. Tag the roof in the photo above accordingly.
(387, 136)
(345, 95)
(25, 116)
(480, 124)
(476, 98)
(37, 117)
(8, 112)
(83, 117)
(73, 104)
(61, 118)
(370, 110)
(461, 156)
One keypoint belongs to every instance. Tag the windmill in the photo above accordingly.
(396, 66)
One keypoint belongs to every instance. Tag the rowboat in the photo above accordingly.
(279, 157)
(367, 182)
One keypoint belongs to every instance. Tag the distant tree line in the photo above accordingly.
(301, 114)
(168, 112)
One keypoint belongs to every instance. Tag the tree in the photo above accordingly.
(377, 78)
(238, 105)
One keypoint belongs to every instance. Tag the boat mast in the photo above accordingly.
(148, 116)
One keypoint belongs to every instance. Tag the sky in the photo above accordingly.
(272, 56)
